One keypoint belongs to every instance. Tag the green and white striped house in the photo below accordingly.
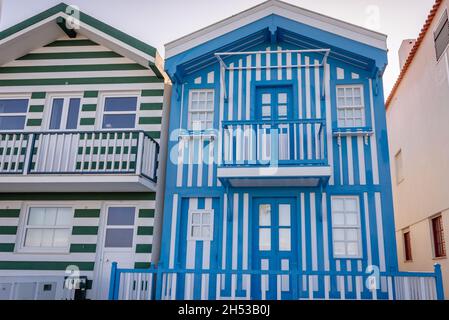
(81, 109)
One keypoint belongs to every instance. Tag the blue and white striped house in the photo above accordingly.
(278, 180)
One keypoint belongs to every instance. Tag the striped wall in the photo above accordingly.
(85, 242)
(88, 70)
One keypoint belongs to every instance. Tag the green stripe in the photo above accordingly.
(74, 81)
(142, 265)
(143, 248)
(84, 230)
(152, 93)
(36, 108)
(44, 265)
(144, 231)
(89, 107)
(154, 134)
(8, 229)
(7, 247)
(146, 196)
(90, 94)
(87, 121)
(146, 213)
(87, 213)
(38, 95)
(72, 43)
(151, 106)
(73, 68)
(34, 122)
(83, 247)
(150, 120)
(70, 55)
(9, 213)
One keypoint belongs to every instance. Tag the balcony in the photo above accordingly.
(274, 153)
(90, 161)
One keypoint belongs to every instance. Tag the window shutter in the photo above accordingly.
(441, 35)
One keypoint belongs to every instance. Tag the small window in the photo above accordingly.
(407, 246)
(441, 35)
(64, 113)
(439, 245)
(120, 227)
(201, 225)
(201, 110)
(350, 106)
(119, 113)
(399, 167)
(13, 114)
(347, 242)
(48, 228)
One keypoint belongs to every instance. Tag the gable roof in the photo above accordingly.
(414, 50)
(43, 28)
(283, 9)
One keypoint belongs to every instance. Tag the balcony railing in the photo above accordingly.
(274, 143)
(86, 152)
(160, 284)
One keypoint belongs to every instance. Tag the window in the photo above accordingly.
(13, 114)
(407, 246)
(48, 228)
(64, 113)
(201, 109)
(398, 167)
(439, 246)
(350, 106)
(120, 227)
(347, 242)
(441, 35)
(201, 225)
(119, 113)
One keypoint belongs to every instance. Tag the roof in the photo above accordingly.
(414, 50)
(43, 28)
(270, 7)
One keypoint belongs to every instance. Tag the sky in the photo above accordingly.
(160, 21)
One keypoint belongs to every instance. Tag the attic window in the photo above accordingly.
(441, 35)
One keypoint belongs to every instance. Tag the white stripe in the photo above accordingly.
(303, 234)
(245, 231)
(65, 62)
(154, 99)
(268, 64)
(239, 91)
(84, 87)
(70, 49)
(76, 74)
(289, 63)
(9, 221)
(231, 92)
(258, 65)
(191, 150)
(350, 160)
(200, 163)
(181, 150)
(367, 228)
(380, 231)
(75, 257)
(373, 138)
(191, 244)
(235, 225)
(308, 87)
(279, 62)
(317, 90)
(86, 221)
(330, 140)
(361, 155)
(248, 88)
(340, 156)
(210, 170)
(299, 89)
(313, 231)
(173, 231)
(225, 213)
(325, 234)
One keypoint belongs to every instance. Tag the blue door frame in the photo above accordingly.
(270, 254)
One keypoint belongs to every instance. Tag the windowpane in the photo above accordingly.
(61, 238)
(284, 239)
(36, 216)
(50, 216)
(56, 113)
(120, 104)
(12, 122)
(121, 216)
(13, 105)
(284, 215)
(282, 98)
(64, 217)
(73, 113)
(119, 238)
(264, 239)
(339, 248)
(118, 121)
(206, 231)
(352, 249)
(264, 215)
(196, 232)
(33, 238)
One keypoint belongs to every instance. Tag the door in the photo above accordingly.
(274, 236)
(118, 244)
(274, 104)
(64, 113)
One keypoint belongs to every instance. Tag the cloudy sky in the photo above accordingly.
(160, 21)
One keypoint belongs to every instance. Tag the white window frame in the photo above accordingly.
(23, 222)
(345, 227)
(65, 110)
(26, 114)
(362, 107)
(190, 111)
(399, 166)
(190, 225)
(106, 226)
(118, 94)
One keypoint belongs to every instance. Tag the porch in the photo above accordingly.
(161, 284)
(81, 161)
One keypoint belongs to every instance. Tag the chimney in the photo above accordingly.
(404, 51)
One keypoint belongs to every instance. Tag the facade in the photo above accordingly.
(278, 181)
(81, 108)
(417, 111)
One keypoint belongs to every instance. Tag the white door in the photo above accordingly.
(118, 244)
